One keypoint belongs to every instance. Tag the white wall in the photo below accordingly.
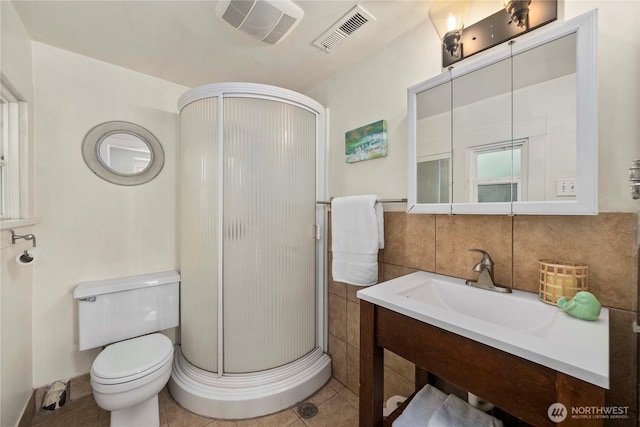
(91, 229)
(375, 89)
(372, 90)
(15, 281)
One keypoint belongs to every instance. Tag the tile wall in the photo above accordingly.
(608, 243)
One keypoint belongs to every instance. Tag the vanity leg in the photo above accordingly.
(371, 369)
(574, 393)
(422, 378)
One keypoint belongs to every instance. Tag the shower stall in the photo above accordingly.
(253, 317)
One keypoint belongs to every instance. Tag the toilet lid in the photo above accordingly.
(132, 358)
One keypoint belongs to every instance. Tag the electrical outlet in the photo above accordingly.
(566, 187)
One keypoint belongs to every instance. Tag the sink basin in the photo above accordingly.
(517, 323)
(521, 311)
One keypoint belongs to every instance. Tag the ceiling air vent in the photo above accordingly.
(266, 20)
(342, 29)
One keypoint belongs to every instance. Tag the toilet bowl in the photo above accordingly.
(127, 375)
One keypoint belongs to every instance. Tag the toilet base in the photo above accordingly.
(143, 414)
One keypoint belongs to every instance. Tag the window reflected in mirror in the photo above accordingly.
(124, 153)
(433, 144)
(496, 172)
(433, 181)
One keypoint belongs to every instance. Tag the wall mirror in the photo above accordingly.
(123, 153)
(512, 132)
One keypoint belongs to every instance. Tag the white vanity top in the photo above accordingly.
(517, 323)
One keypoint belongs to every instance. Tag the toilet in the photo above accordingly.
(125, 314)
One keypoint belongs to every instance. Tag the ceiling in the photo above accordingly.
(186, 43)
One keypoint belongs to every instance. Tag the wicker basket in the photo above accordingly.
(561, 279)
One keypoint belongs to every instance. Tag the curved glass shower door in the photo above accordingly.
(252, 296)
(199, 204)
(269, 243)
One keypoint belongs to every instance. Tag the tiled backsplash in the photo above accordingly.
(608, 243)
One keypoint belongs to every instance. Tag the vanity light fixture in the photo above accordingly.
(518, 10)
(447, 17)
(515, 18)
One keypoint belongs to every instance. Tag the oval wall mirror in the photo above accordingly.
(123, 153)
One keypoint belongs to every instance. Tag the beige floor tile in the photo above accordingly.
(350, 397)
(80, 387)
(85, 417)
(280, 419)
(221, 423)
(336, 385)
(177, 416)
(337, 407)
(324, 394)
(335, 412)
(105, 418)
(73, 406)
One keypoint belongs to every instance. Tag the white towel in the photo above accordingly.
(421, 408)
(357, 232)
(456, 412)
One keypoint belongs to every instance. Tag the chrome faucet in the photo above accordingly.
(485, 269)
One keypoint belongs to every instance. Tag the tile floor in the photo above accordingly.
(337, 407)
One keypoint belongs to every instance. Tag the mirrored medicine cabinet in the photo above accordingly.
(513, 132)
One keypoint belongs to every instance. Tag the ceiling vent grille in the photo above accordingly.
(266, 20)
(342, 29)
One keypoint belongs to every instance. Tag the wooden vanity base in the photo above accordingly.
(522, 388)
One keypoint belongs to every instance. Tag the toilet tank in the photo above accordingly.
(113, 310)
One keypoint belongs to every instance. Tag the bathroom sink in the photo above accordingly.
(517, 323)
(520, 311)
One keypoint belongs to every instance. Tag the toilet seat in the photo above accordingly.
(132, 359)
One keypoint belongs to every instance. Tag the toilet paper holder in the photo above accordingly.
(15, 237)
(26, 258)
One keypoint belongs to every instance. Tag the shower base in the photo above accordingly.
(238, 396)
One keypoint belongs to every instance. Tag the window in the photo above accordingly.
(497, 172)
(13, 155)
(434, 179)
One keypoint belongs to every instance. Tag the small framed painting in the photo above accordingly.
(366, 142)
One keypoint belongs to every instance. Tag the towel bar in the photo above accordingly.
(324, 202)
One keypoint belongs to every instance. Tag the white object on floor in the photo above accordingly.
(56, 396)
(357, 231)
(391, 404)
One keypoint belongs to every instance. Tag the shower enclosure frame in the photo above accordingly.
(246, 395)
